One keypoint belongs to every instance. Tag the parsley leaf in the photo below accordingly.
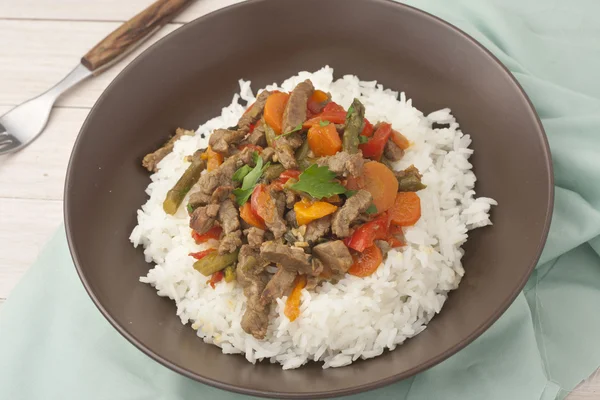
(362, 139)
(350, 111)
(250, 179)
(190, 208)
(239, 175)
(318, 182)
(296, 129)
(371, 210)
(350, 193)
(324, 123)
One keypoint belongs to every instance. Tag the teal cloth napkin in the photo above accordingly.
(54, 344)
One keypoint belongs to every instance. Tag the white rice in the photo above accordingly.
(357, 317)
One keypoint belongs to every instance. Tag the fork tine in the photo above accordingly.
(4, 149)
(7, 144)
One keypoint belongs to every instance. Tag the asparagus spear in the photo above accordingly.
(184, 184)
(215, 262)
(354, 121)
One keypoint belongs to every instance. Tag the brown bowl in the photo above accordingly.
(188, 76)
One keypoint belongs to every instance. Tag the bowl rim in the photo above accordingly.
(352, 389)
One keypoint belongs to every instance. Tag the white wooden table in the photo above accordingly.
(40, 41)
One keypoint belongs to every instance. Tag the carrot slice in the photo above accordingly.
(367, 262)
(307, 211)
(250, 217)
(378, 180)
(214, 159)
(406, 210)
(400, 140)
(292, 305)
(324, 140)
(316, 102)
(274, 108)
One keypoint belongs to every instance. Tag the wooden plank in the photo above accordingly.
(97, 10)
(38, 171)
(588, 389)
(25, 226)
(43, 52)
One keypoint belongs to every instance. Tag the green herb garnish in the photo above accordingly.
(324, 123)
(371, 210)
(250, 180)
(190, 208)
(362, 139)
(319, 182)
(296, 129)
(239, 175)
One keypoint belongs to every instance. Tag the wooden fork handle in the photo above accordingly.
(132, 32)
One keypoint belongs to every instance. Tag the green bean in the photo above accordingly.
(215, 262)
(354, 121)
(270, 134)
(302, 155)
(409, 180)
(184, 184)
(230, 274)
(273, 172)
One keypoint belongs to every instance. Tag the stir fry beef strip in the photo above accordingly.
(272, 213)
(254, 113)
(280, 202)
(198, 199)
(290, 198)
(255, 237)
(295, 109)
(334, 254)
(317, 229)
(222, 175)
(344, 163)
(279, 285)
(267, 154)
(257, 136)
(392, 152)
(230, 242)
(151, 160)
(253, 280)
(409, 180)
(221, 194)
(202, 219)
(229, 216)
(285, 149)
(285, 155)
(290, 218)
(288, 257)
(353, 207)
(221, 139)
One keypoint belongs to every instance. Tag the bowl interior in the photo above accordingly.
(187, 78)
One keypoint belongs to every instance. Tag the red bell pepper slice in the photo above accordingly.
(373, 149)
(366, 234)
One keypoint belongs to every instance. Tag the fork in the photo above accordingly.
(24, 123)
